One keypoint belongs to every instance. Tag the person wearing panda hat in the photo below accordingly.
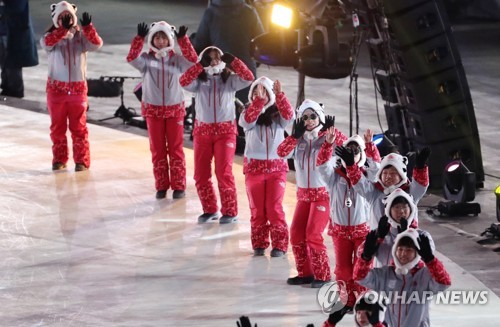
(400, 212)
(67, 44)
(215, 129)
(313, 206)
(369, 310)
(162, 102)
(349, 212)
(414, 274)
(391, 175)
(264, 121)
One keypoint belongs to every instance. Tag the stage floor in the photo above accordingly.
(96, 248)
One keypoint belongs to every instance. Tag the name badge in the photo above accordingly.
(154, 64)
(302, 147)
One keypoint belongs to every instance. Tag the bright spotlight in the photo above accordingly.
(282, 15)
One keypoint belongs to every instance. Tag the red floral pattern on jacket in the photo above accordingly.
(312, 194)
(362, 268)
(372, 152)
(421, 175)
(354, 173)
(254, 110)
(287, 146)
(255, 166)
(55, 36)
(325, 153)
(91, 34)
(69, 88)
(226, 127)
(284, 107)
(157, 111)
(242, 70)
(191, 74)
(187, 49)
(135, 48)
(438, 272)
(351, 232)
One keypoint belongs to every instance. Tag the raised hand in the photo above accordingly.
(227, 58)
(329, 122)
(403, 225)
(182, 32)
(142, 29)
(371, 246)
(86, 19)
(331, 135)
(422, 157)
(67, 21)
(368, 136)
(261, 91)
(299, 128)
(383, 227)
(336, 317)
(277, 87)
(244, 322)
(425, 250)
(345, 154)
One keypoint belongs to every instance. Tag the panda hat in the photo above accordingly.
(60, 7)
(397, 161)
(362, 146)
(388, 204)
(318, 110)
(164, 27)
(267, 83)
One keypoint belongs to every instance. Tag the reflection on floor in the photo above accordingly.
(97, 249)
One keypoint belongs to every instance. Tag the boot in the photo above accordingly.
(297, 280)
(258, 252)
(80, 167)
(58, 166)
(277, 253)
(228, 219)
(178, 194)
(161, 194)
(207, 216)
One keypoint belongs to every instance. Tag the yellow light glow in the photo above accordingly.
(497, 190)
(281, 15)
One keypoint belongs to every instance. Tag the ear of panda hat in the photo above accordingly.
(215, 69)
(268, 86)
(359, 141)
(397, 161)
(318, 109)
(388, 204)
(413, 235)
(58, 8)
(164, 27)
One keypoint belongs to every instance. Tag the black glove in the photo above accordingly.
(371, 246)
(244, 322)
(66, 21)
(383, 227)
(425, 248)
(86, 19)
(329, 122)
(345, 154)
(422, 157)
(205, 60)
(377, 314)
(403, 222)
(336, 317)
(182, 32)
(142, 29)
(299, 128)
(227, 58)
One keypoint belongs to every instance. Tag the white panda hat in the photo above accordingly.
(413, 235)
(362, 146)
(388, 203)
(268, 86)
(58, 8)
(164, 27)
(318, 109)
(397, 161)
(215, 69)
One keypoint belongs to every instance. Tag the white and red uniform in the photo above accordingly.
(312, 211)
(349, 214)
(407, 281)
(265, 171)
(67, 85)
(163, 103)
(214, 133)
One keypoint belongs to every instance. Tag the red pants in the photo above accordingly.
(309, 222)
(69, 110)
(345, 258)
(265, 195)
(166, 139)
(221, 148)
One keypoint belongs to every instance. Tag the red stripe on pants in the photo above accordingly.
(221, 148)
(69, 111)
(166, 139)
(265, 193)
